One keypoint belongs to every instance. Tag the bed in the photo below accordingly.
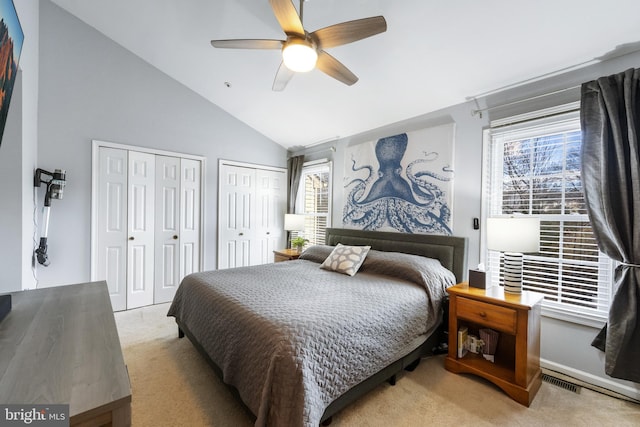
(298, 342)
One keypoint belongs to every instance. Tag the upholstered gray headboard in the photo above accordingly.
(450, 250)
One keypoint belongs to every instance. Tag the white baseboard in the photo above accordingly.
(600, 382)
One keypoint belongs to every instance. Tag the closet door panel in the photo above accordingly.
(111, 228)
(236, 215)
(167, 228)
(190, 221)
(146, 223)
(271, 200)
(140, 256)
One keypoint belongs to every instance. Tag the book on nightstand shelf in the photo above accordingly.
(462, 341)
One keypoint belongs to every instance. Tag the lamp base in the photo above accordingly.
(513, 272)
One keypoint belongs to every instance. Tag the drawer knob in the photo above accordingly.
(482, 314)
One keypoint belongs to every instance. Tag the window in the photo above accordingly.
(314, 200)
(532, 167)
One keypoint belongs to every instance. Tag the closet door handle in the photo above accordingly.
(175, 237)
(240, 234)
(131, 238)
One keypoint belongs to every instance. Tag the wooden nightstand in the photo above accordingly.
(285, 255)
(516, 369)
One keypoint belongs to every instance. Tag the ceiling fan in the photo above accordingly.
(302, 51)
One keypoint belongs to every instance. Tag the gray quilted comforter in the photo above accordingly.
(292, 337)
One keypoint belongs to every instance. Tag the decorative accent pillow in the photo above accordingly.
(346, 259)
(317, 253)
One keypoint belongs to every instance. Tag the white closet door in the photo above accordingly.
(177, 223)
(235, 210)
(271, 202)
(189, 217)
(141, 229)
(167, 228)
(111, 228)
(146, 223)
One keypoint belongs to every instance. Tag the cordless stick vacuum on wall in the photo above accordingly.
(55, 190)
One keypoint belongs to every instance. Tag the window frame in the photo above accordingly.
(322, 165)
(555, 119)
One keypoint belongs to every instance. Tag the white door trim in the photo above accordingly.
(221, 164)
(95, 162)
(98, 143)
(250, 165)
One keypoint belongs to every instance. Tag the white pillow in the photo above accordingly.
(346, 259)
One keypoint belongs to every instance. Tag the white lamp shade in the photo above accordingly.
(514, 234)
(293, 222)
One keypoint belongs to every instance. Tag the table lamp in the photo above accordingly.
(294, 222)
(513, 236)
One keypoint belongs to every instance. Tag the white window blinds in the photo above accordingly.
(533, 168)
(314, 200)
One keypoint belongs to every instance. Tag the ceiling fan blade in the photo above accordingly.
(334, 68)
(248, 44)
(282, 78)
(351, 31)
(287, 16)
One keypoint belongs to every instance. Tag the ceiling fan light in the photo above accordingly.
(299, 56)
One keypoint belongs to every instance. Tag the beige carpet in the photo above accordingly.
(173, 386)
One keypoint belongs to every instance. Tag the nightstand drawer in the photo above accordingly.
(490, 315)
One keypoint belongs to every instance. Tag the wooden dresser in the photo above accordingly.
(60, 346)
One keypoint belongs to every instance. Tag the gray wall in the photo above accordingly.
(18, 159)
(92, 88)
(565, 346)
(11, 194)
(29, 13)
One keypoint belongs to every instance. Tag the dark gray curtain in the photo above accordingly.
(610, 119)
(294, 172)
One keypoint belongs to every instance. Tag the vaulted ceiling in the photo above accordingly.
(434, 54)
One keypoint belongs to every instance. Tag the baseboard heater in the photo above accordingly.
(5, 306)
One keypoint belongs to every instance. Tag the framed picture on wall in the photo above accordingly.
(11, 39)
(401, 182)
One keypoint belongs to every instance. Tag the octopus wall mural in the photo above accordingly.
(401, 183)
